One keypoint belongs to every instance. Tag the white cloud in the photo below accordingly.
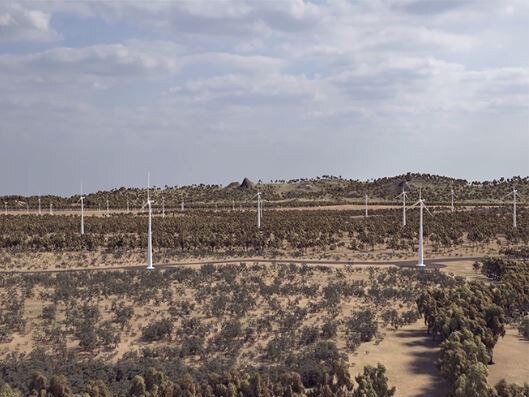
(18, 23)
(210, 75)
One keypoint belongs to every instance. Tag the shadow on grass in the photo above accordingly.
(423, 363)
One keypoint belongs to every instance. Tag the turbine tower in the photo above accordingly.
(259, 209)
(403, 195)
(182, 204)
(81, 199)
(40, 211)
(51, 208)
(514, 195)
(128, 209)
(366, 213)
(108, 209)
(422, 206)
(163, 207)
(452, 198)
(149, 204)
(5, 207)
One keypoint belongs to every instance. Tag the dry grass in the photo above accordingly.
(409, 356)
(511, 357)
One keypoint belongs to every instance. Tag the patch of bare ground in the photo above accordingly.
(409, 356)
(511, 358)
(463, 269)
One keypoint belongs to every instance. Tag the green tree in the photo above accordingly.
(137, 387)
(7, 391)
(473, 383)
(373, 383)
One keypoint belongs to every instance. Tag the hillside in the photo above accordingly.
(323, 190)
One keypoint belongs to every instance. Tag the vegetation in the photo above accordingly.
(235, 233)
(470, 318)
(323, 190)
(283, 322)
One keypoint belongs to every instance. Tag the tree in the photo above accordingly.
(59, 387)
(137, 387)
(7, 391)
(98, 388)
(503, 389)
(523, 328)
(473, 383)
(461, 350)
(373, 383)
(37, 384)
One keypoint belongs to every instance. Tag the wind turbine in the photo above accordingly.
(108, 209)
(514, 195)
(128, 209)
(259, 209)
(403, 195)
(81, 199)
(182, 204)
(452, 198)
(5, 207)
(366, 213)
(149, 204)
(51, 208)
(163, 207)
(233, 205)
(422, 206)
(40, 212)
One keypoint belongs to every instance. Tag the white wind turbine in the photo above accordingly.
(514, 195)
(403, 195)
(128, 208)
(259, 209)
(452, 195)
(81, 199)
(40, 211)
(149, 204)
(366, 213)
(5, 207)
(233, 205)
(108, 208)
(163, 207)
(422, 206)
(182, 204)
(51, 208)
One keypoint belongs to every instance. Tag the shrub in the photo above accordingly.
(157, 330)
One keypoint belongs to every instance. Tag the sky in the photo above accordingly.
(212, 91)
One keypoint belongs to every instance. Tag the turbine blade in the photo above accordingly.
(413, 206)
(427, 210)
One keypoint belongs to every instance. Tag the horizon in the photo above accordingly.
(271, 181)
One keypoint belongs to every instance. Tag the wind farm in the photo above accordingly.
(237, 198)
(144, 232)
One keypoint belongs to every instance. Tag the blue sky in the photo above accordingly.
(212, 91)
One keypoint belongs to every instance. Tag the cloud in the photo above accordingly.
(18, 23)
(297, 75)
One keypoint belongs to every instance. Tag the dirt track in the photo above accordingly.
(434, 263)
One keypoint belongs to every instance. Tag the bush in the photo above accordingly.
(523, 328)
(364, 323)
(157, 330)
